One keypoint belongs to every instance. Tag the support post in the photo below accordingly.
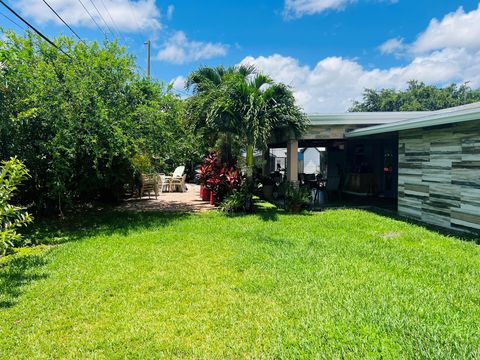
(266, 162)
(292, 161)
(148, 43)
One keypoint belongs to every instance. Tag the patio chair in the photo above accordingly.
(163, 183)
(178, 171)
(149, 184)
(178, 183)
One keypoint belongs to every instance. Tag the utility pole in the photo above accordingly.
(148, 43)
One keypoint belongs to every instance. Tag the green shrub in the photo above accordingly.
(296, 198)
(238, 201)
(13, 172)
(78, 122)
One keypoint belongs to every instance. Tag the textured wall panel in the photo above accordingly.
(439, 175)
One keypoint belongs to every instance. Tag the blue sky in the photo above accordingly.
(327, 50)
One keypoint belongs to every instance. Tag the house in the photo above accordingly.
(427, 163)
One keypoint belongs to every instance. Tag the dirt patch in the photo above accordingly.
(391, 235)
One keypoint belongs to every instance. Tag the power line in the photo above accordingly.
(73, 31)
(101, 17)
(91, 17)
(133, 14)
(12, 21)
(111, 19)
(33, 28)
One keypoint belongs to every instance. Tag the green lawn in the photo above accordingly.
(341, 283)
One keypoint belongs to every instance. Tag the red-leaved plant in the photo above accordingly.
(218, 178)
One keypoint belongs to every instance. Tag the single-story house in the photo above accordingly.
(427, 162)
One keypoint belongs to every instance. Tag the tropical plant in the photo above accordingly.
(237, 201)
(12, 174)
(296, 198)
(208, 168)
(248, 106)
(218, 178)
(223, 181)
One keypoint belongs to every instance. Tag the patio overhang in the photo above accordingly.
(363, 118)
(328, 129)
(324, 127)
(435, 118)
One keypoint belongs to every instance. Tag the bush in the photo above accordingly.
(13, 172)
(296, 198)
(221, 179)
(77, 122)
(238, 201)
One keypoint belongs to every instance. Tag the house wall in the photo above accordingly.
(328, 132)
(439, 175)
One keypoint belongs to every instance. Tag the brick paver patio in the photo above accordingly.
(188, 201)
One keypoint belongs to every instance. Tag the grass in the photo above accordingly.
(343, 283)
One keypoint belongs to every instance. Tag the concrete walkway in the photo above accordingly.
(188, 201)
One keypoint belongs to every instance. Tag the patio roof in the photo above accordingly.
(363, 118)
(427, 119)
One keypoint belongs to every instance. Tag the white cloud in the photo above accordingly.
(298, 8)
(127, 15)
(178, 83)
(335, 82)
(392, 46)
(447, 51)
(457, 29)
(170, 10)
(178, 49)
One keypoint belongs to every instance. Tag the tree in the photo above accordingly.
(12, 174)
(77, 121)
(417, 97)
(245, 104)
(207, 84)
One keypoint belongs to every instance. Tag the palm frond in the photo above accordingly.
(260, 80)
(245, 70)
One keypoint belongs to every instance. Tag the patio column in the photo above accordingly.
(292, 160)
(266, 162)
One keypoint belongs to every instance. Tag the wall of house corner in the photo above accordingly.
(439, 175)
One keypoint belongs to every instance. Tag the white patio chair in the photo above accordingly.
(149, 184)
(178, 171)
(178, 183)
(163, 183)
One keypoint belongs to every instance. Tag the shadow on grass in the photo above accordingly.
(268, 214)
(94, 223)
(267, 211)
(19, 272)
(465, 236)
(273, 241)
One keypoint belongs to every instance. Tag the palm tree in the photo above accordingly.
(245, 104)
(207, 84)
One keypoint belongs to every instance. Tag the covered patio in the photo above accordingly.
(357, 172)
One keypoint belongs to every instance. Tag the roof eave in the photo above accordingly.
(422, 122)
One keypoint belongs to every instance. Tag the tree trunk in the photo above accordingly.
(249, 161)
